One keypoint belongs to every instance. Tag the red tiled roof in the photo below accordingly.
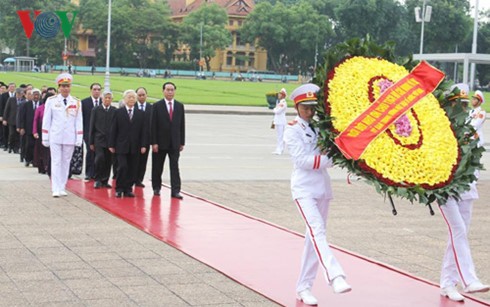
(233, 7)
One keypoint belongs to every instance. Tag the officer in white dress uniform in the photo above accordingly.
(311, 190)
(280, 120)
(478, 115)
(457, 264)
(62, 129)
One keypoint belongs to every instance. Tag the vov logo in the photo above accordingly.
(47, 24)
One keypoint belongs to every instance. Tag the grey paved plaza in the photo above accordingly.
(68, 252)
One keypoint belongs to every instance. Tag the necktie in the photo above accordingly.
(64, 101)
(35, 105)
(96, 102)
(312, 128)
(130, 113)
(142, 107)
(170, 110)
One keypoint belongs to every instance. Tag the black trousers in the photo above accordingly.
(28, 142)
(89, 162)
(103, 164)
(143, 161)
(5, 135)
(14, 138)
(127, 165)
(158, 160)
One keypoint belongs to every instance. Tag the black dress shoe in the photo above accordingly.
(178, 196)
(87, 178)
(106, 185)
(97, 185)
(139, 184)
(156, 192)
(119, 194)
(128, 194)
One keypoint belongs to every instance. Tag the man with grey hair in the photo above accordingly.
(26, 119)
(127, 140)
(99, 131)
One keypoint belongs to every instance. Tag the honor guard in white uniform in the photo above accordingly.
(457, 264)
(478, 116)
(311, 191)
(280, 120)
(62, 129)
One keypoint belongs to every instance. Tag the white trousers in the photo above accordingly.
(61, 155)
(316, 249)
(280, 138)
(457, 264)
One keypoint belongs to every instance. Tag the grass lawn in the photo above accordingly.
(189, 91)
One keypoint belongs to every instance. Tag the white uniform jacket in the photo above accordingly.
(280, 112)
(310, 178)
(478, 116)
(63, 124)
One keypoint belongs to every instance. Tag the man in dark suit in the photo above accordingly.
(10, 119)
(100, 129)
(143, 158)
(127, 139)
(3, 103)
(87, 105)
(167, 138)
(26, 119)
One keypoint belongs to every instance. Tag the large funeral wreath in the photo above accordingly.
(428, 154)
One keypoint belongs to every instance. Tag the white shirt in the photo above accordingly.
(280, 112)
(478, 116)
(310, 178)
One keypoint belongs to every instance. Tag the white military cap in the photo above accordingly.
(64, 78)
(36, 90)
(283, 90)
(305, 94)
(479, 95)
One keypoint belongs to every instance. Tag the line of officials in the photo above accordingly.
(112, 136)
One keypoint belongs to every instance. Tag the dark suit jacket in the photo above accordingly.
(87, 106)
(3, 102)
(167, 134)
(148, 111)
(26, 116)
(100, 126)
(127, 137)
(10, 112)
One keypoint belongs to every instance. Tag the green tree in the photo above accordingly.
(289, 34)
(450, 26)
(13, 35)
(382, 20)
(213, 20)
(137, 39)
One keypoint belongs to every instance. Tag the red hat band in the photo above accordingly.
(305, 97)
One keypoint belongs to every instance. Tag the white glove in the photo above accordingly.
(78, 144)
(45, 143)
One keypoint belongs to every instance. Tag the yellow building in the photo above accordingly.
(238, 56)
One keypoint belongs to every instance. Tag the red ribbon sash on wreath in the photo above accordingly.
(392, 104)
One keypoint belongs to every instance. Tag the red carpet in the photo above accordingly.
(257, 254)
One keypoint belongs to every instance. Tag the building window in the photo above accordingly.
(238, 39)
(240, 59)
(92, 42)
(229, 58)
(239, 23)
(251, 59)
(230, 22)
